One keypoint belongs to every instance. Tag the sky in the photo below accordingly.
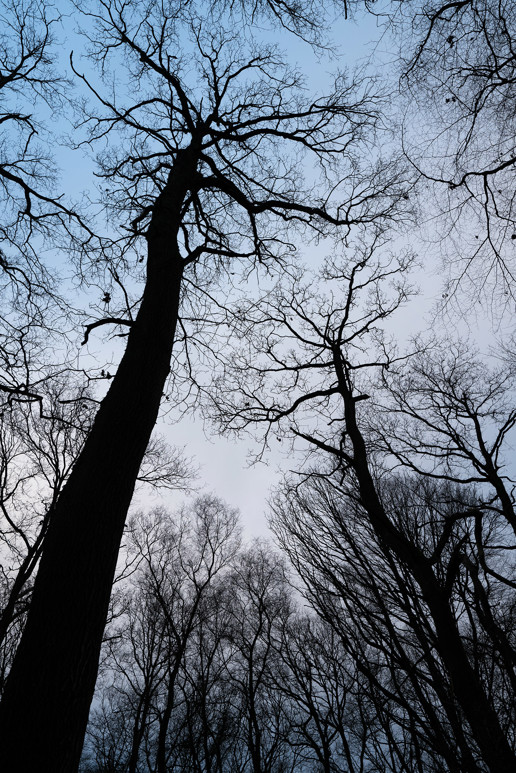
(223, 464)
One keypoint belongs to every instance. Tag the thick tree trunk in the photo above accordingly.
(44, 711)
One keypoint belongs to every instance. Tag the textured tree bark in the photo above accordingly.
(44, 710)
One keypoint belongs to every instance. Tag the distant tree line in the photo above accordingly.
(213, 662)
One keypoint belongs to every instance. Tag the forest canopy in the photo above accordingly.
(231, 212)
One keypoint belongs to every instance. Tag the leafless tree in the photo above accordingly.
(403, 685)
(455, 421)
(458, 67)
(327, 729)
(203, 172)
(261, 609)
(39, 443)
(37, 452)
(148, 649)
(316, 381)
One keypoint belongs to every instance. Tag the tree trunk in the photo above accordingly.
(44, 710)
(468, 690)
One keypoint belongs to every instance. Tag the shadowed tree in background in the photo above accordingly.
(320, 684)
(151, 645)
(430, 564)
(261, 609)
(203, 170)
(37, 451)
(192, 659)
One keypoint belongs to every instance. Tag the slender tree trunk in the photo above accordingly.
(139, 728)
(255, 746)
(21, 580)
(44, 710)
(468, 690)
(164, 723)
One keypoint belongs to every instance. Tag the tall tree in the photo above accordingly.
(206, 173)
(261, 609)
(317, 351)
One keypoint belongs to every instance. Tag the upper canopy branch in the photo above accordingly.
(195, 85)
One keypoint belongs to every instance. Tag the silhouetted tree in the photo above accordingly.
(152, 644)
(206, 172)
(261, 609)
(372, 537)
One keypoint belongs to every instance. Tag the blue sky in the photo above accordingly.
(223, 463)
